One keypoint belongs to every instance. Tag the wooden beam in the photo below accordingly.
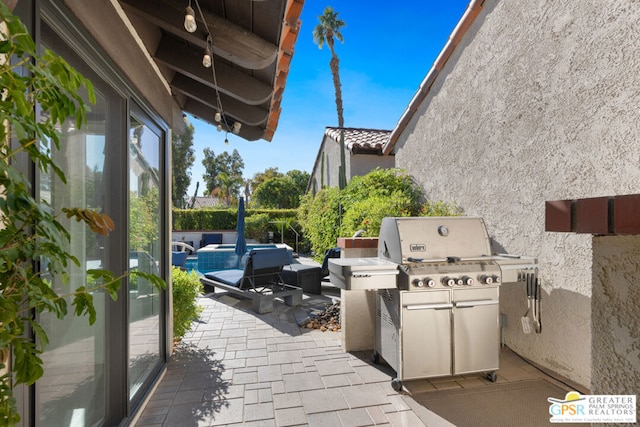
(246, 114)
(177, 56)
(230, 41)
(294, 9)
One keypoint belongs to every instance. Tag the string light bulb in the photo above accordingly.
(219, 127)
(206, 58)
(190, 19)
(218, 117)
(236, 127)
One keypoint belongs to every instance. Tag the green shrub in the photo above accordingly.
(367, 214)
(319, 217)
(256, 226)
(361, 205)
(186, 289)
(220, 218)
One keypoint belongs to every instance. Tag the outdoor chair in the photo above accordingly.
(260, 279)
(184, 246)
(210, 239)
(331, 253)
(179, 259)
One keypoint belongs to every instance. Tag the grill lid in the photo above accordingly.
(414, 239)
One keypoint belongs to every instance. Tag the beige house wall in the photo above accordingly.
(331, 153)
(616, 315)
(356, 164)
(538, 102)
(362, 164)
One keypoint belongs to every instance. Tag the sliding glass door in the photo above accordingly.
(116, 164)
(145, 231)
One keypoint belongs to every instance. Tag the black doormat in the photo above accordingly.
(521, 404)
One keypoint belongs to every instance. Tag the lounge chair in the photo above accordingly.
(260, 279)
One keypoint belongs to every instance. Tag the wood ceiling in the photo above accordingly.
(252, 45)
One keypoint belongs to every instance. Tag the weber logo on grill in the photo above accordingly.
(417, 247)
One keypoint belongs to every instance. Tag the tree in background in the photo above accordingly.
(224, 173)
(328, 29)
(300, 179)
(261, 177)
(182, 158)
(281, 191)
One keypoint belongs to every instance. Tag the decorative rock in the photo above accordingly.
(327, 320)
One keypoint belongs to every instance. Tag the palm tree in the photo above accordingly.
(328, 29)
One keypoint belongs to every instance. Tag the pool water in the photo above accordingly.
(191, 264)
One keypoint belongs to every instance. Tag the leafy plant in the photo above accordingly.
(367, 214)
(256, 226)
(32, 241)
(186, 288)
(361, 205)
(319, 216)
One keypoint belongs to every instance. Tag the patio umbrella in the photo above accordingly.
(241, 242)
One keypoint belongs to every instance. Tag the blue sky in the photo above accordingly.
(388, 49)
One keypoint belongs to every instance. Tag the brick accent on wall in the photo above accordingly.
(358, 242)
(599, 215)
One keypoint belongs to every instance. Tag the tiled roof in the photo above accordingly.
(360, 140)
(205, 202)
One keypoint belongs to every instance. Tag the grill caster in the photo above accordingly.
(375, 358)
(396, 384)
(492, 376)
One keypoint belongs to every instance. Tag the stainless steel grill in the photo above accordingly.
(438, 288)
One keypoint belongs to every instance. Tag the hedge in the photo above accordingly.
(222, 219)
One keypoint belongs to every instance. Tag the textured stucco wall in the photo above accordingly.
(616, 315)
(539, 102)
(357, 164)
(331, 151)
(362, 164)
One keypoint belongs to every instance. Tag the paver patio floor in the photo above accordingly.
(237, 367)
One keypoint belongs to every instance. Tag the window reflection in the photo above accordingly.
(144, 255)
(72, 390)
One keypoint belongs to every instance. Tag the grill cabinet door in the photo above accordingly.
(426, 334)
(476, 330)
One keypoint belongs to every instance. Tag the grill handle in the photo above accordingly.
(443, 306)
(374, 273)
(469, 304)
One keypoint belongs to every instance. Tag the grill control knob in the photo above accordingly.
(459, 282)
(429, 282)
(486, 280)
(448, 281)
(419, 283)
(496, 279)
(467, 280)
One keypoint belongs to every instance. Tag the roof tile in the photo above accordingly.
(358, 139)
